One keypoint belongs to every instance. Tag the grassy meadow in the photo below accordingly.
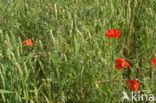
(71, 60)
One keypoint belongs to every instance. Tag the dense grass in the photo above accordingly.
(71, 59)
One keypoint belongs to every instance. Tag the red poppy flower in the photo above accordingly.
(121, 63)
(113, 33)
(154, 62)
(134, 85)
(27, 42)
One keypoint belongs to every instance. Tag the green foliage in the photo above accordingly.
(71, 60)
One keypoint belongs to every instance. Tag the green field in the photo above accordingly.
(71, 60)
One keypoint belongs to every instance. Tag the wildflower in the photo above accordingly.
(113, 33)
(134, 85)
(27, 42)
(154, 62)
(121, 63)
(97, 85)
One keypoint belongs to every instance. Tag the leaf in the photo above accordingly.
(5, 91)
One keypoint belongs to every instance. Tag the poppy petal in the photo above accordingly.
(128, 81)
(133, 84)
(113, 33)
(117, 34)
(118, 66)
(109, 34)
(121, 62)
(27, 42)
(154, 62)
